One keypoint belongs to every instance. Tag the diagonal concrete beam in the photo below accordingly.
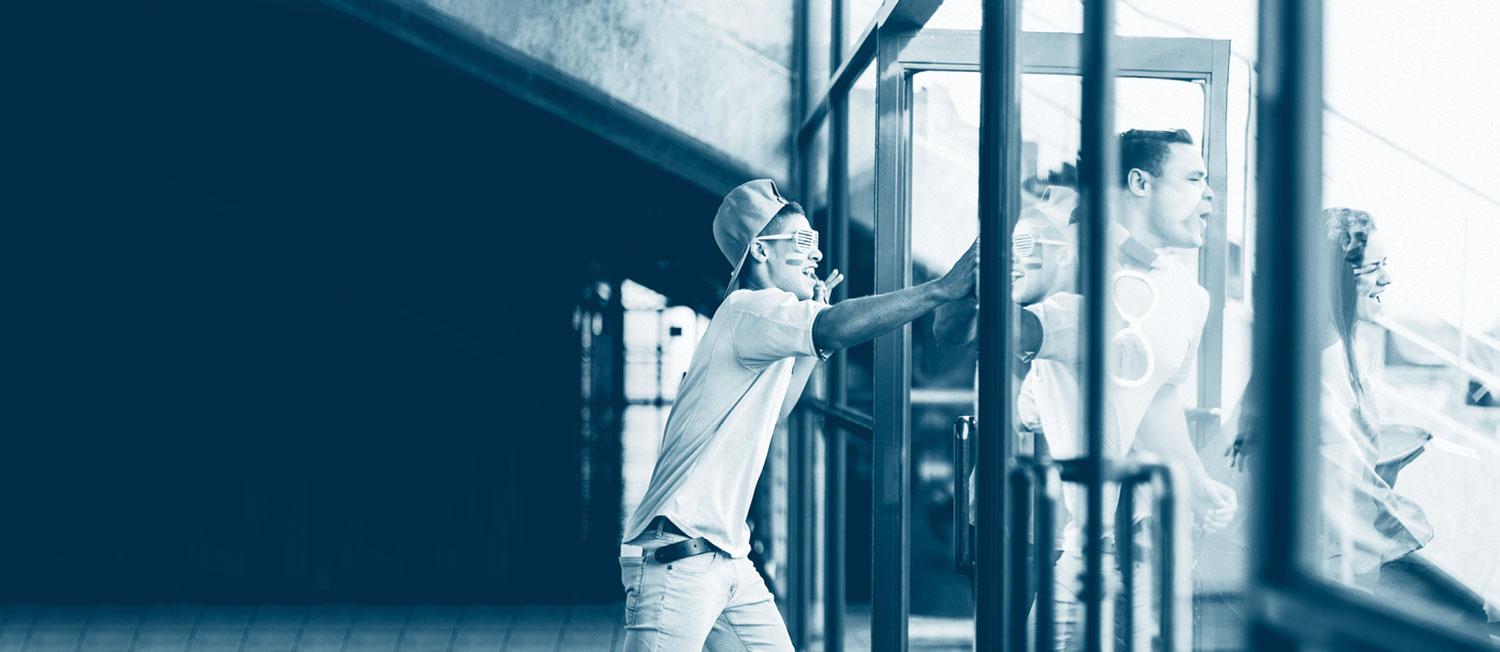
(709, 102)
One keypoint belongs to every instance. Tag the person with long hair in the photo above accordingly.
(1363, 522)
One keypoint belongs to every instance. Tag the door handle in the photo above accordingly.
(1173, 559)
(1036, 488)
(963, 543)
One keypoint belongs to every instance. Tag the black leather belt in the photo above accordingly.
(681, 549)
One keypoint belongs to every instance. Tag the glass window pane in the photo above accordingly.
(659, 341)
(815, 164)
(860, 197)
(944, 223)
(1036, 16)
(955, 14)
(819, 31)
(857, 16)
(1412, 348)
(1155, 322)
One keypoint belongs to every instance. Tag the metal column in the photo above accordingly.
(999, 203)
(1099, 161)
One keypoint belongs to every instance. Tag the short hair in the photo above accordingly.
(1147, 149)
(779, 220)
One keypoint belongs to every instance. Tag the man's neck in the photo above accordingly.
(754, 282)
(1138, 223)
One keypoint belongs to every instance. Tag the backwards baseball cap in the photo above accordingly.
(745, 212)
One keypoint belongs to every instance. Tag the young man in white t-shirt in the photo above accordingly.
(688, 582)
(1158, 311)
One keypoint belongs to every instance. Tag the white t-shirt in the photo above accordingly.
(1167, 310)
(747, 372)
(1172, 310)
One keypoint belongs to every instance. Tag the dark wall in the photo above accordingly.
(289, 312)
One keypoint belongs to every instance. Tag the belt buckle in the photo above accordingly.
(627, 550)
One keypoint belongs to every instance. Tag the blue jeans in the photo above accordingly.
(704, 602)
(1068, 604)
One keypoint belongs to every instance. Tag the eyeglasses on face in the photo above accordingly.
(805, 239)
(1024, 245)
(1361, 270)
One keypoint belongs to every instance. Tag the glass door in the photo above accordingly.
(927, 205)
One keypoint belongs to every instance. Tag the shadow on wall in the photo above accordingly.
(290, 314)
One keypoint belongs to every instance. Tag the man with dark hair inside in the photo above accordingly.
(688, 582)
(1156, 314)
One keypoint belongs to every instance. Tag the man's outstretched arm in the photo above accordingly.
(956, 323)
(855, 321)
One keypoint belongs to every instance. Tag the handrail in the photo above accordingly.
(1035, 494)
(1434, 348)
(853, 421)
(1172, 559)
(963, 550)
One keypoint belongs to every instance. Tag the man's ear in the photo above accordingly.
(758, 251)
(1137, 181)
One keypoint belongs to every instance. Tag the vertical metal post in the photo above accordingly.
(999, 203)
(835, 573)
(800, 455)
(1098, 169)
(800, 519)
(835, 474)
(836, 460)
(1125, 556)
(892, 441)
(1290, 288)
(1048, 497)
(1022, 483)
(1174, 577)
(1213, 271)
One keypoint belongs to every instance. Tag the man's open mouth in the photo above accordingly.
(810, 272)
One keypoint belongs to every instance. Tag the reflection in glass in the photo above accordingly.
(944, 223)
(859, 200)
(1408, 350)
(1155, 322)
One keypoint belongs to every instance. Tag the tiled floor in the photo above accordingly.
(328, 628)
(349, 628)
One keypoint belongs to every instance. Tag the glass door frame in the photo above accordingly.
(900, 56)
(1291, 608)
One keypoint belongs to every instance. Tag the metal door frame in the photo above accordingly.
(900, 56)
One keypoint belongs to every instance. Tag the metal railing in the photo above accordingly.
(1035, 492)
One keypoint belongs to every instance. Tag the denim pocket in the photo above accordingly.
(696, 564)
(631, 573)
